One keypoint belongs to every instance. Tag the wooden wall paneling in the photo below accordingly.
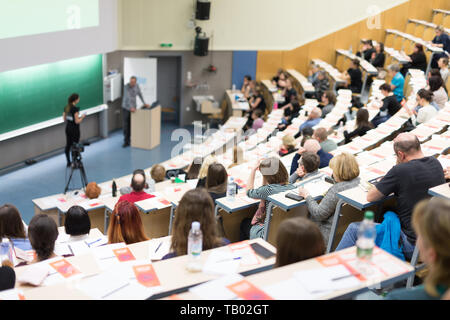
(297, 59)
(267, 64)
(438, 18)
(410, 27)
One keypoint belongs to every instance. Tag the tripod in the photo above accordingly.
(77, 164)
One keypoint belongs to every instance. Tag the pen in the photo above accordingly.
(224, 260)
(343, 277)
(90, 243)
(158, 246)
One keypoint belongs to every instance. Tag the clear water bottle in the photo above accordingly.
(6, 250)
(366, 238)
(233, 88)
(231, 189)
(195, 245)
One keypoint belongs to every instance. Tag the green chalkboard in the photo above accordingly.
(36, 94)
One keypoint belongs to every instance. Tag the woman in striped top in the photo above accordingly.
(275, 180)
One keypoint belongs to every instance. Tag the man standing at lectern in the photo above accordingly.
(130, 91)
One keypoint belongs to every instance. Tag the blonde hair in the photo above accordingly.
(431, 221)
(288, 141)
(344, 166)
(205, 165)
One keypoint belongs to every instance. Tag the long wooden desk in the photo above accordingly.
(282, 283)
(442, 191)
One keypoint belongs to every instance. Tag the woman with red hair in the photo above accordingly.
(125, 224)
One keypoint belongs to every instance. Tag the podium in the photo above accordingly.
(146, 128)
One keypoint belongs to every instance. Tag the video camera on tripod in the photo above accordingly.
(76, 149)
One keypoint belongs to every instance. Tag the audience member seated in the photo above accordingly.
(321, 135)
(418, 60)
(313, 72)
(204, 170)
(275, 180)
(93, 191)
(425, 110)
(195, 205)
(7, 276)
(313, 119)
(282, 80)
(378, 57)
(431, 223)
(308, 166)
(158, 173)
(307, 134)
(256, 102)
(238, 157)
(409, 181)
(289, 93)
(246, 89)
(137, 185)
(125, 224)
(77, 223)
(441, 40)
(290, 112)
(257, 119)
(367, 50)
(217, 181)
(389, 107)
(277, 77)
(353, 77)
(346, 174)
(311, 145)
(397, 82)
(362, 125)
(288, 145)
(443, 68)
(436, 85)
(295, 231)
(42, 233)
(321, 84)
(12, 227)
(328, 101)
(194, 169)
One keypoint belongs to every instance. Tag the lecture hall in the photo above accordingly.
(224, 150)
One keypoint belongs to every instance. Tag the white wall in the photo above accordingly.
(33, 50)
(239, 24)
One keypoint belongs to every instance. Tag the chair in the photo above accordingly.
(343, 216)
(411, 27)
(419, 30)
(446, 22)
(438, 17)
(428, 34)
(389, 41)
(220, 116)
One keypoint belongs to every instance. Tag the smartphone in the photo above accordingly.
(329, 180)
(294, 196)
(261, 251)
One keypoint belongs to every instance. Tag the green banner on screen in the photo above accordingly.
(29, 17)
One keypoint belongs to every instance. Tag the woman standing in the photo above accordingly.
(73, 120)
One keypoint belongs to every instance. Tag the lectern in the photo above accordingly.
(146, 128)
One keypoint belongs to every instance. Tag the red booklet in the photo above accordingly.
(124, 254)
(64, 268)
(146, 275)
(247, 291)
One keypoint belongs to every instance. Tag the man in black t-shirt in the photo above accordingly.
(409, 181)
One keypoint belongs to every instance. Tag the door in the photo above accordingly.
(168, 87)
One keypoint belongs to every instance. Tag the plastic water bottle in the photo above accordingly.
(195, 245)
(6, 250)
(366, 240)
(233, 88)
(275, 106)
(231, 189)
(151, 185)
